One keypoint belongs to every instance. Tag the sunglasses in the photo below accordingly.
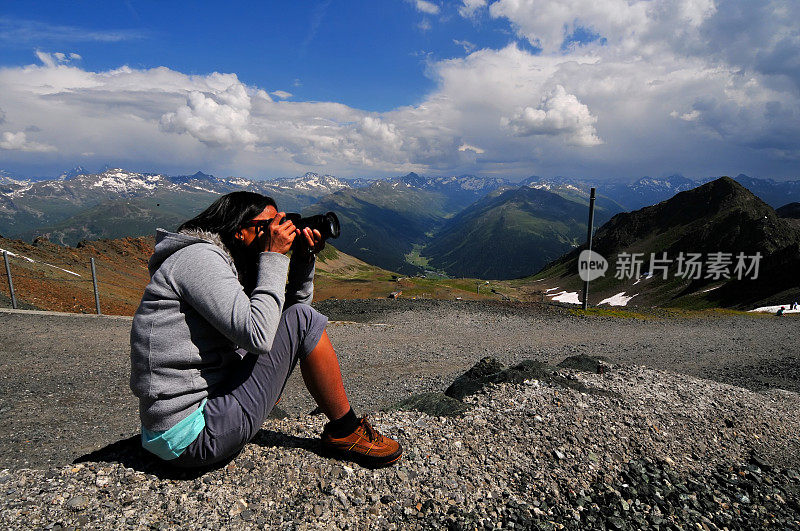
(259, 224)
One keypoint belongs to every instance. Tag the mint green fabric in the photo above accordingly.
(171, 443)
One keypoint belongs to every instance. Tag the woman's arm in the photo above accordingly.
(300, 288)
(202, 277)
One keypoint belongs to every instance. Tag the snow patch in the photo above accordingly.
(10, 253)
(570, 297)
(712, 289)
(774, 309)
(18, 192)
(620, 299)
(206, 190)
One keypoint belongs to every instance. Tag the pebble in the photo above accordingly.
(77, 503)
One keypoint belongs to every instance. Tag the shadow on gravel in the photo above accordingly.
(276, 439)
(130, 454)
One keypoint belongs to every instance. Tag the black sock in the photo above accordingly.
(342, 427)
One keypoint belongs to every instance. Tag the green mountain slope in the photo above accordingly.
(509, 235)
(718, 217)
(385, 221)
(122, 218)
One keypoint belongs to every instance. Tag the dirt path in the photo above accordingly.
(64, 379)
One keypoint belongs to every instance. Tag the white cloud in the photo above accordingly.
(217, 119)
(19, 31)
(19, 142)
(423, 6)
(474, 149)
(46, 58)
(690, 116)
(56, 58)
(470, 8)
(662, 89)
(558, 114)
(468, 46)
(282, 94)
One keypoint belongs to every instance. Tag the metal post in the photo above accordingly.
(589, 246)
(10, 282)
(94, 282)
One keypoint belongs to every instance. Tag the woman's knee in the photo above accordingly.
(304, 316)
(307, 323)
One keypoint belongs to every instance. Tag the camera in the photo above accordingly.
(327, 224)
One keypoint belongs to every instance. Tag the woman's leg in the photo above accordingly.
(323, 378)
(235, 413)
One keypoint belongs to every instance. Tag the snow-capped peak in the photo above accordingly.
(313, 182)
(125, 182)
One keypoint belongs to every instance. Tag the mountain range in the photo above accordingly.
(456, 226)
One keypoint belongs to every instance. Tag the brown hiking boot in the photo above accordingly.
(365, 446)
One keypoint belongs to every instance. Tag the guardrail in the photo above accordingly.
(94, 280)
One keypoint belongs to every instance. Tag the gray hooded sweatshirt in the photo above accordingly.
(195, 321)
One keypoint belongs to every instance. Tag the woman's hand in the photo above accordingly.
(313, 240)
(278, 237)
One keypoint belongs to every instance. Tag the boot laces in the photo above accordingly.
(372, 433)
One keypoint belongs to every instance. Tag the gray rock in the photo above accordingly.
(584, 363)
(77, 503)
(433, 404)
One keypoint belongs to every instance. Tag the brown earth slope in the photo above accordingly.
(47, 276)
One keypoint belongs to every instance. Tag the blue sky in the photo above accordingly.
(585, 88)
(366, 54)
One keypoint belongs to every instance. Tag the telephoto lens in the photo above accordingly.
(327, 224)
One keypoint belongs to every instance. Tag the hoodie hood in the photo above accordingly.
(167, 243)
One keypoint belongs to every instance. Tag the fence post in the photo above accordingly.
(94, 283)
(10, 282)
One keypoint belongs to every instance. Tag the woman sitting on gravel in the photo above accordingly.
(219, 331)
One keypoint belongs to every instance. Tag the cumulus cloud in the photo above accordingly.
(558, 114)
(282, 94)
(663, 88)
(19, 142)
(217, 119)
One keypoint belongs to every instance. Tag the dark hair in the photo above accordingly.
(227, 214)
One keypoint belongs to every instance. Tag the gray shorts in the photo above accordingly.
(235, 415)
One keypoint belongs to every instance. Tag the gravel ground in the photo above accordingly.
(524, 455)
